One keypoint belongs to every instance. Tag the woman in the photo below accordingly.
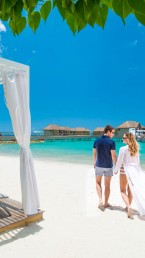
(129, 158)
(125, 189)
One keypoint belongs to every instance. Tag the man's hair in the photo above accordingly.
(108, 128)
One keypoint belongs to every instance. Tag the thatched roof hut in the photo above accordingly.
(51, 127)
(56, 127)
(98, 131)
(82, 131)
(129, 124)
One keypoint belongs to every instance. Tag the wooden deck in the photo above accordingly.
(13, 216)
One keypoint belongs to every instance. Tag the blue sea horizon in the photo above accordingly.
(79, 152)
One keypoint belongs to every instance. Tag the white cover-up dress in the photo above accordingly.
(135, 176)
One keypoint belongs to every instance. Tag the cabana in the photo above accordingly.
(15, 79)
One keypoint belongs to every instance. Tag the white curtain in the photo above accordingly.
(16, 88)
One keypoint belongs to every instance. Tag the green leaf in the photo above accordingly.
(66, 3)
(17, 24)
(102, 15)
(61, 10)
(55, 3)
(75, 1)
(21, 24)
(5, 5)
(72, 23)
(5, 16)
(92, 18)
(34, 20)
(30, 3)
(45, 10)
(72, 7)
(18, 8)
(79, 11)
(81, 25)
(139, 9)
(88, 8)
(108, 3)
(13, 27)
(140, 17)
(92, 8)
(122, 8)
(137, 5)
(86, 1)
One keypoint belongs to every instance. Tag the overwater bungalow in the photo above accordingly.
(128, 126)
(51, 130)
(73, 131)
(55, 130)
(98, 131)
(82, 131)
(63, 130)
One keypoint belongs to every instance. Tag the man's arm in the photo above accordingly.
(94, 156)
(114, 157)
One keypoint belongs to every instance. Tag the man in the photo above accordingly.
(104, 153)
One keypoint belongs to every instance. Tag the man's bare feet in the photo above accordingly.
(101, 206)
(108, 206)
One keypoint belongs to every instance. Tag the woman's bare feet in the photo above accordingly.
(126, 209)
(129, 213)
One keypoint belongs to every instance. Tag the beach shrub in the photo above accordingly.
(77, 13)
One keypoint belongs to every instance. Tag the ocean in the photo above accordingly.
(63, 151)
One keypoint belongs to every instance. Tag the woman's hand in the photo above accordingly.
(115, 171)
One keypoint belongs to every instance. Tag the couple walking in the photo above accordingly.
(132, 178)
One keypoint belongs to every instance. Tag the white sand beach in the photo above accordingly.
(73, 227)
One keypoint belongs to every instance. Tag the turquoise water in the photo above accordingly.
(64, 151)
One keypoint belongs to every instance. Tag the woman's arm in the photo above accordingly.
(119, 160)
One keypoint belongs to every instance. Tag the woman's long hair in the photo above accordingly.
(132, 144)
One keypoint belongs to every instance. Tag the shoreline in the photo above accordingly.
(56, 160)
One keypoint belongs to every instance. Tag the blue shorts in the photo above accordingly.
(103, 171)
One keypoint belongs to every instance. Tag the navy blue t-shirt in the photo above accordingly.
(104, 145)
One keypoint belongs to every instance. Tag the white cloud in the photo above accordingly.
(2, 27)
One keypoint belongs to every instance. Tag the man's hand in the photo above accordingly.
(114, 157)
(94, 156)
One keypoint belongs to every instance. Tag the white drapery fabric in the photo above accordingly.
(135, 176)
(16, 89)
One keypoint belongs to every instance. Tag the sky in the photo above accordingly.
(94, 78)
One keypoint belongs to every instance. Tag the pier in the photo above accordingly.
(41, 137)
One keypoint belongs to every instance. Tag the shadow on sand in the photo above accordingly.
(12, 235)
(134, 212)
